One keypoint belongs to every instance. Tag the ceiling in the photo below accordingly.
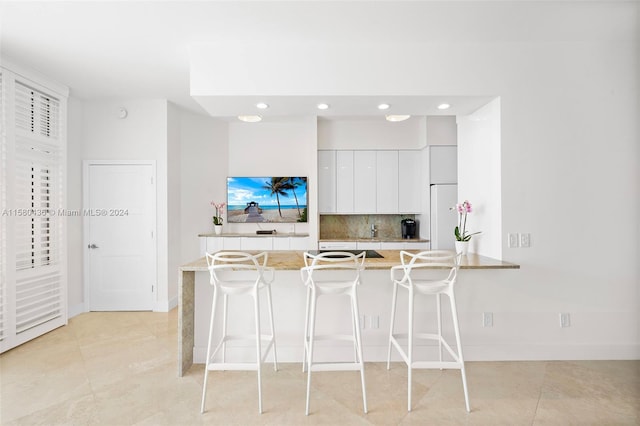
(134, 49)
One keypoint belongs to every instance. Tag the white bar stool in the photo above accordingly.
(443, 268)
(239, 273)
(332, 273)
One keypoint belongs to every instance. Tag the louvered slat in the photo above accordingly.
(33, 153)
(37, 113)
(37, 299)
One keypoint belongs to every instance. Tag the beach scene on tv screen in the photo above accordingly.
(266, 199)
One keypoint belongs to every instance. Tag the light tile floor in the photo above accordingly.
(120, 369)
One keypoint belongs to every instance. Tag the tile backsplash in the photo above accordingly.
(359, 226)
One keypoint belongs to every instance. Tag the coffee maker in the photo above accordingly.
(408, 228)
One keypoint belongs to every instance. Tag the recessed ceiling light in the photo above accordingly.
(397, 117)
(383, 106)
(323, 106)
(444, 106)
(262, 105)
(250, 118)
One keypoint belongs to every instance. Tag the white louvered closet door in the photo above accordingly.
(33, 175)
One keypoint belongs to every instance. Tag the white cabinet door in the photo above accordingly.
(337, 245)
(281, 243)
(365, 245)
(416, 245)
(364, 181)
(392, 246)
(300, 243)
(256, 243)
(387, 182)
(231, 243)
(410, 182)
(443, 164)
(326, 181)
(344, 181)
(213, 244)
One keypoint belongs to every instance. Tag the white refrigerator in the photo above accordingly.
(443, 219)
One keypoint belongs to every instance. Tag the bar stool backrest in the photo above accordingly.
(335, 261)
(432, 260)
(222, 264)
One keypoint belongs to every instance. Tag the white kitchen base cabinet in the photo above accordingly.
(405, 245)
(255, 243)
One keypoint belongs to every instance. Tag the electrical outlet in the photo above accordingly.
(513, 240)
(525, 240)
(487, 319)
(565, 320)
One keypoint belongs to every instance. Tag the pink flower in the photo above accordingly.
(217, 219)
(461, 230)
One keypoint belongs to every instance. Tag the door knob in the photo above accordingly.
(93, 246)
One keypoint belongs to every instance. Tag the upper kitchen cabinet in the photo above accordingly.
(387, 187)
(409, 181)
(327, 181)
(443, 164)
(364, 181)
(344, 182)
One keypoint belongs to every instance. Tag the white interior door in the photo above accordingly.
(120, 230)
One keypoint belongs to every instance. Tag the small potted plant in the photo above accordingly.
(460, 231)
(217, 218)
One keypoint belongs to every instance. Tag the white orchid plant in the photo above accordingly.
(217, 218)
(460, 231)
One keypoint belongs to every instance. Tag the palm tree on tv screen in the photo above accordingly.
(278, 186)
(292, 184)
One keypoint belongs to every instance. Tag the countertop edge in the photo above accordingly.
(293, 260)
(245, 234)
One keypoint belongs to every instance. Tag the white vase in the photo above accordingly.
(217, 229)
(462, 247)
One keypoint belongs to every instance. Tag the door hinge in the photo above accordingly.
(151, 288)
(151, 180)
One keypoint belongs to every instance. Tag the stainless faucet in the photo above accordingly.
(373, 230)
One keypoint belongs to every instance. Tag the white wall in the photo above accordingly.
(479, 178)
(204, 154)
(276, 148)
(174, 206)
(371, 133)
(442, 130)
(75, 249)
(569, 160)
(141, 136)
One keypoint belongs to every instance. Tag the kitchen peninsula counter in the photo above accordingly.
(289, 264)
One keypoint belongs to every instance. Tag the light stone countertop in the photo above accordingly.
(246, 234)
(294, 260)
(378, 240)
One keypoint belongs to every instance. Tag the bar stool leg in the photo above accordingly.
(439, 321)
(256, 310)
(456, 328)
(410, 349)
(206, 362)
(393, 320)
(225, 304)
(358, 340)
(306, 331)
(273, 333)
(312, 325)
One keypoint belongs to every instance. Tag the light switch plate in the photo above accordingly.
(525, 240)
(513, 240)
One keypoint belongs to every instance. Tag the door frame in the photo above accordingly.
(86, 164)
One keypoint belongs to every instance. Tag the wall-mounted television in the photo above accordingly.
(266, 199)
